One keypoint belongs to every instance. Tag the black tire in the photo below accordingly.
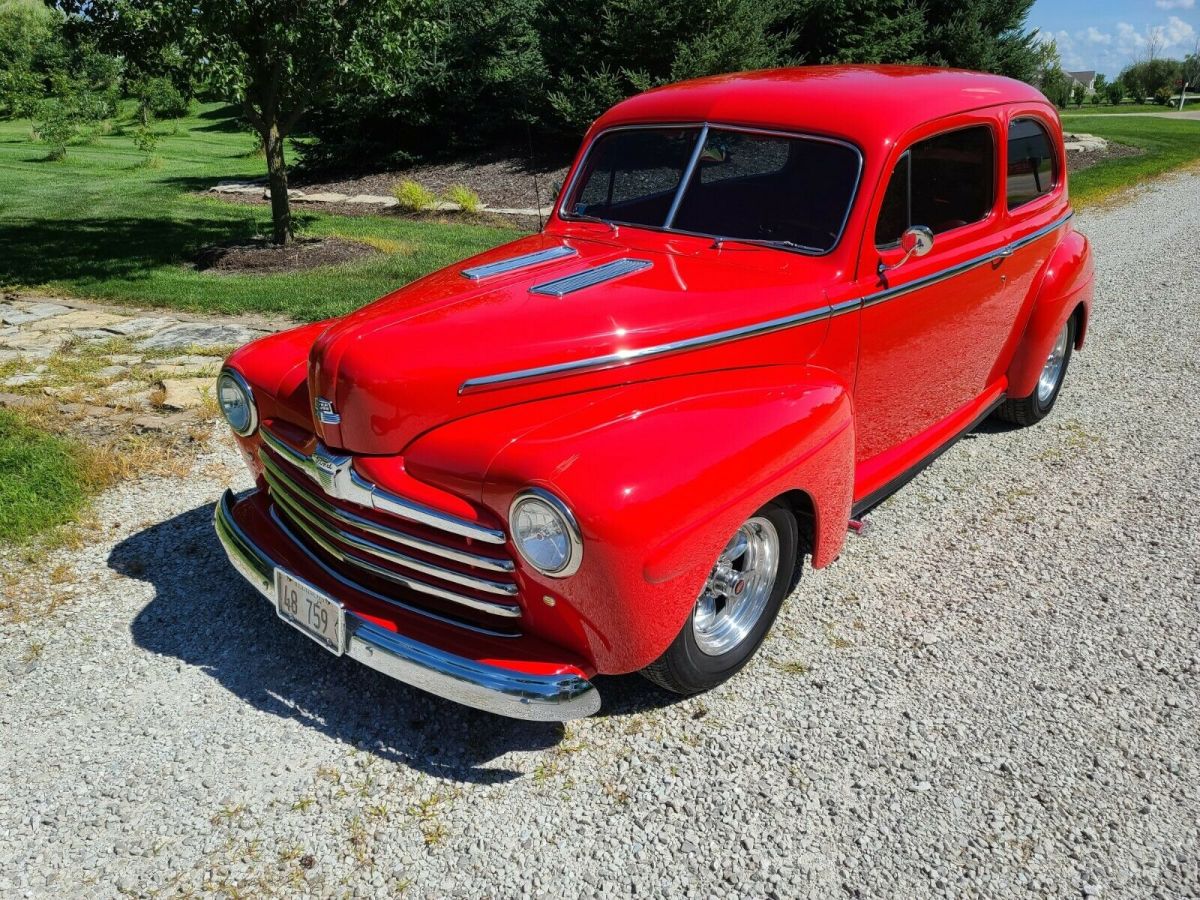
(1025, 411)
(685, 669)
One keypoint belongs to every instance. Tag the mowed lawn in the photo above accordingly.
(102, 224)
(1168, 144)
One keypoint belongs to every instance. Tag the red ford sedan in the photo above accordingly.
(762, 303)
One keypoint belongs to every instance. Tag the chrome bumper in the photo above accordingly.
(542, 698)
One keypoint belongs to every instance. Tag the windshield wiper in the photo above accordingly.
(764, 242)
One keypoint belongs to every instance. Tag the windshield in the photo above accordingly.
(793, 192)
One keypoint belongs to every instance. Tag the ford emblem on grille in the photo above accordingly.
(333, 472)
(326, 413)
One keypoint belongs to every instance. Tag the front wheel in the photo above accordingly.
(1032, 409)
(736, 607)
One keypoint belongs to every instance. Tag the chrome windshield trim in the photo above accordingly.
(512, 263)
(688, 171)
(337, 478)
(586, 278)
(295, 505)
(490, 563)
(626, 357)
(704, 127)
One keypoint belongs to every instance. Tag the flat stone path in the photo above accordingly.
(259, 190)
(110, 368)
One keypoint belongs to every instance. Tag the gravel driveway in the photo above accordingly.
(993, 692)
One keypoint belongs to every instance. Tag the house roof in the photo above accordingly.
(1085, 77)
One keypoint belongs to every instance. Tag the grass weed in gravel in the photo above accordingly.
(45, 481)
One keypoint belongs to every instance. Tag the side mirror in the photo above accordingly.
(916, 241)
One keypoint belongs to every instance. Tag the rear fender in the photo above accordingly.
(659, 475)
(1065, 285)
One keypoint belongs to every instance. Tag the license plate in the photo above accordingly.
(304, 607)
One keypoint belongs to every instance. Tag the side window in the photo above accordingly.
(942, 182)
(1032, 163)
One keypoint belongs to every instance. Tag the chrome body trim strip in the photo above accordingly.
(490, 563)
(512, 263)
(336, 477)
(624, 357)
(483, 686)
(295, 507)
(587, 278)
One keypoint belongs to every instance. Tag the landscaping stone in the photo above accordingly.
(125, 359)
(21, 380)
(374, 199)
(79, 318)
(198, 334)
(16, 401)
(140, 326)
(326, 198)
(185, 393)
(111, 371)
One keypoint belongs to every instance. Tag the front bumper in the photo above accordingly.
(507, 692)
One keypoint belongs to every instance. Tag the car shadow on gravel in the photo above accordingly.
(204, 614)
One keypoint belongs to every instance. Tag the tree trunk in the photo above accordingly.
(281, 210)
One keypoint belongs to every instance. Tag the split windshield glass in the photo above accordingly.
(793, 192)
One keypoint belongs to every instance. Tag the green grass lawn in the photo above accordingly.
(44, 481)
(101, 224)
(1104, 110)
(1168, 144)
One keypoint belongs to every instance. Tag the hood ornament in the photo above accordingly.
(326, 413)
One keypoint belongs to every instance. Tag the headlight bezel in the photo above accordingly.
(247, 393)
(563, 513)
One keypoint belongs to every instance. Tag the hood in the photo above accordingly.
(395, 369)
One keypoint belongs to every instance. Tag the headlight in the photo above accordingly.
(545, 533)
(237, 402)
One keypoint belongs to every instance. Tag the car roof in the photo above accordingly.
(864, 104)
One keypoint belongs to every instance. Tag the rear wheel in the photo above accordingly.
(1032, 409)
(736, 607)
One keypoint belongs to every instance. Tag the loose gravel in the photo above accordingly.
(993, 692)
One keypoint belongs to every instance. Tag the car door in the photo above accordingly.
(932, 327)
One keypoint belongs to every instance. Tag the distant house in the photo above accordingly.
(1087, 79)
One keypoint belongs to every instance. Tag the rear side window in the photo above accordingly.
(943, 182)
(1032, 163)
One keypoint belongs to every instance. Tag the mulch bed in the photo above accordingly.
(260, 257)
(1078, 160)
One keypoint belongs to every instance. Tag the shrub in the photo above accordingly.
(1162, 96)
(158, 98)
(145, 139)
(1115, 91)
(54, 128)
(414, 197)
(464, 197)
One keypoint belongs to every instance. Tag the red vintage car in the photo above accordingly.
(762, 303)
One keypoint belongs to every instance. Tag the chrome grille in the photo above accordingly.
(412, 562)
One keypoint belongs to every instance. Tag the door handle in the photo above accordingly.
(1004, 253)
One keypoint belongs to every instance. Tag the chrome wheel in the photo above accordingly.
(738, 588)
(1052, 370)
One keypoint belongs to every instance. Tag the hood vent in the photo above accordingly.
(475, 273)
(589, 277)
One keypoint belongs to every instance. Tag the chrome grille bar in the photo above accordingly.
(362, 589)
(487, 270)
(336, 476)
(321, 538)
(569, 284)
(490, 563)
(295, 506)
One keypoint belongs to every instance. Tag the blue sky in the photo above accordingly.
(1107, 35)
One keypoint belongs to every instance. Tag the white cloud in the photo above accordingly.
(1174, 4)
(1095, 36)
(1178, 32)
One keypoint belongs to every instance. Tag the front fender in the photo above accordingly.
(658, 474)
(1066, 284)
